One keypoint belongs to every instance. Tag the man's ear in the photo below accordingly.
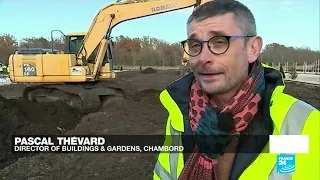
(254, 48)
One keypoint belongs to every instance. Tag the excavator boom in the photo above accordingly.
(116, 13)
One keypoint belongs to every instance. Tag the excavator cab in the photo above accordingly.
(73, 42)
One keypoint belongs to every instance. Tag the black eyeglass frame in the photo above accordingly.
(202, 42)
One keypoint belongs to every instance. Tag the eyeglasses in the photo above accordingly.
(217, 44)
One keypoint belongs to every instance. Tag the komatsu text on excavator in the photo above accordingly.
(72, 75)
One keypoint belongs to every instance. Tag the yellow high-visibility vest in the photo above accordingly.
(290, 116)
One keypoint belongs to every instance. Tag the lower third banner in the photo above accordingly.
(136, 143)
(110, 143)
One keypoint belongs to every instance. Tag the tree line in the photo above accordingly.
(150, 51)
(275, 53)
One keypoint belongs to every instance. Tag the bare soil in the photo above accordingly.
(22, 117)
(139, 113)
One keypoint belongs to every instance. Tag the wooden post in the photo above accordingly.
(312, 66)
(306, 67)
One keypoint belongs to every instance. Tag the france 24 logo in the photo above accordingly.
(286, 164)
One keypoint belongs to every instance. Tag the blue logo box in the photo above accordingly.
(286, 164)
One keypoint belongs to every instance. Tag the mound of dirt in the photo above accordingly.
(148, 70)
(117, 116)
(22, 117)
(125, 116)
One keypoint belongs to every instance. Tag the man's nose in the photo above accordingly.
(206, 56)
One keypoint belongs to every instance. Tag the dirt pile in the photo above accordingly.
(125, 116)
(148, 70)
(22, 117)
(117, 116)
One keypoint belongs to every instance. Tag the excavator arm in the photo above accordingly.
(97, 37)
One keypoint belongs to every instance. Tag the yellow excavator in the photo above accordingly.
(74, 75)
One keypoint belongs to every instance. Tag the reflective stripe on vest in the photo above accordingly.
(292, 124)
(161, 171)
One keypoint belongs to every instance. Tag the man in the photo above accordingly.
(231, 92)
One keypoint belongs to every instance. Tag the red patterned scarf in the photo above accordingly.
(205, 119)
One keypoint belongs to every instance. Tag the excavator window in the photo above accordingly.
(73, 44)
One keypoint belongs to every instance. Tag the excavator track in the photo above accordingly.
(86, 98)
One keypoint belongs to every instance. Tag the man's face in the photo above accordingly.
(218, 74)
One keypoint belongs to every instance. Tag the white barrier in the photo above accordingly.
(307, 78)
(4, 81)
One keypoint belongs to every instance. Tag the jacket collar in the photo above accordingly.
(179, 90)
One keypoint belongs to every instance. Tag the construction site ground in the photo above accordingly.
(140, 113)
